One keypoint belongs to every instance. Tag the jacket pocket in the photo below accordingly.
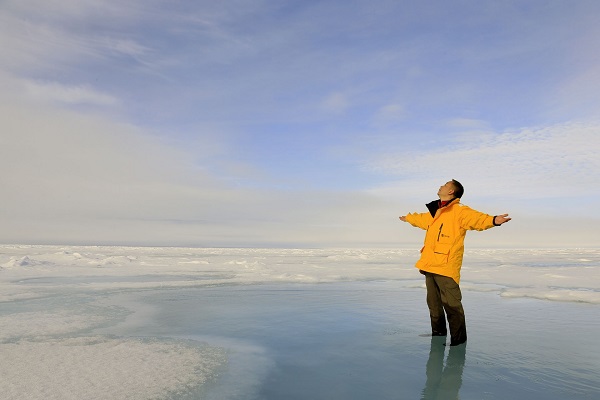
(441, 253)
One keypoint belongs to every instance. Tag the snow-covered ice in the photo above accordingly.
(180, 323)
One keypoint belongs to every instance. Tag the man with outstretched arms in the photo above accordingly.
(447, 223)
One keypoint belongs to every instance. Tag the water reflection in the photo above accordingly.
(444, 382)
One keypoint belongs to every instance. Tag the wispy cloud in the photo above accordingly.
(390, 114)
(336, 103)
(542, 163)
(72, 95)
(70, 177)
(38, 37)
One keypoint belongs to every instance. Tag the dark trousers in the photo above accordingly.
(443, 295)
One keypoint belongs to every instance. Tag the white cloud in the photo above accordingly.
(578, 94)
(45, 36)
(127, 46)
(66, 176)
(468, 123)
(73, 178)
(28, 46)
(336, 103)
(55, 92)
(550, 162)
(390, 113)
(68, 10)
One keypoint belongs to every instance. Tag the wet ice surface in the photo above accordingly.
(145, 323)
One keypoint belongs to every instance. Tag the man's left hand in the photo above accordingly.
(500, 219)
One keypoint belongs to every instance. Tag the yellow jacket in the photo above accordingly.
(443, 249)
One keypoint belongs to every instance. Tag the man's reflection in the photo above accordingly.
(443, 382)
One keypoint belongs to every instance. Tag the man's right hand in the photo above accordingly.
(403, 218)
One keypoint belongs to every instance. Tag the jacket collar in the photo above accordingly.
(435, 205)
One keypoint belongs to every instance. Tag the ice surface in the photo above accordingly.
(559, 274)
(100, 367)
(141, 323)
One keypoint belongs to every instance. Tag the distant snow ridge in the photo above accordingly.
(555, 274)
(22, 262)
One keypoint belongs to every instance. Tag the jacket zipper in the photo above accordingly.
(440, 232)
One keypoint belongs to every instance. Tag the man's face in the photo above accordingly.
(446, 190)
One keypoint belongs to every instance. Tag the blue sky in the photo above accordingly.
(298, 123)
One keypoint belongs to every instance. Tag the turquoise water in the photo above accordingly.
(364, 341)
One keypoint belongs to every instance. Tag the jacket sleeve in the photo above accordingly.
(421, 220)
(475, 220)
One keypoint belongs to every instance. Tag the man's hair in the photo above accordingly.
(459, 190)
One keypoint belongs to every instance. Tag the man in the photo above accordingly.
(446, 224)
